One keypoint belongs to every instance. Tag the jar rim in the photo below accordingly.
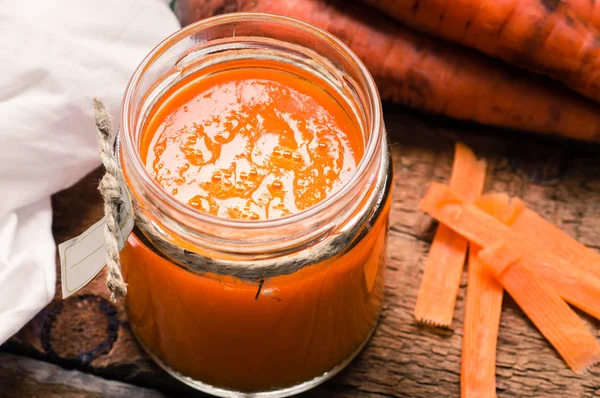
(371, 151)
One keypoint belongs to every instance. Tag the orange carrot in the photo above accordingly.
(444, 265)
(482, 318)
(480, 331)
(544, 36)
(422, 73)
(543, 306)
(570, 279)
(588, 10)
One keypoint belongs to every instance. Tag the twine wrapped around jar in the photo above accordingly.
(112, 190)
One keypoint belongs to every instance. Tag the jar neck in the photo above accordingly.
(234, 38)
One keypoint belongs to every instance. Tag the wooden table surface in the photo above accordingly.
(83, 347)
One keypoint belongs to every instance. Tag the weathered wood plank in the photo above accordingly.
(24, 377)
(404, 359)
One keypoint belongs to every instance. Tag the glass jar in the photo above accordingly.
(256, 308)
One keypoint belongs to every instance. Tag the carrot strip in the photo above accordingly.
(562, 327)
(528, 222)
(477, 226)
(482, 316)
(453, 210)
(575, 286)
(468, 173)
(480, 331)
(441, 277)
(500, 206)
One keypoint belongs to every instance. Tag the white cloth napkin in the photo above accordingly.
(55, 56)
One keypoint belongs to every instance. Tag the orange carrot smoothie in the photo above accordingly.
(250, 144)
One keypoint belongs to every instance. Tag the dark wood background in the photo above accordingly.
(82, 346)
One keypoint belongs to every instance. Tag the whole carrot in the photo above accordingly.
(422, 73)
(588, 10)
(544, 36)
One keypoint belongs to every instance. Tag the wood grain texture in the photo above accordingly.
(559, 179)
(25, 377)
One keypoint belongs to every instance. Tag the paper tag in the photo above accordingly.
(83, 257)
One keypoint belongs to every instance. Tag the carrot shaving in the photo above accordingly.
(482, 317)
(443, 269)
(562, 327)
(480, 335)
(441, 278)
(575, 286)
(453, 210)
(500, 206)
(481, 228)
(468, 172)
(528, 222)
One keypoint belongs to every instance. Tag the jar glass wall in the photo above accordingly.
(269, 307)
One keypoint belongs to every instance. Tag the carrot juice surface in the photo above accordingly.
(254, 143)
